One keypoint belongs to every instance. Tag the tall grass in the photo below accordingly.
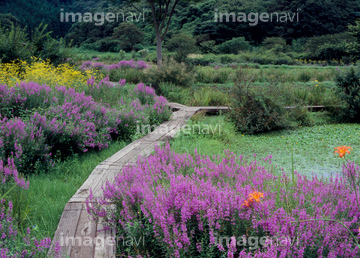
(49, 192)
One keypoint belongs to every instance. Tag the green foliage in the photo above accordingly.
(277, 43)
(297, 45)
(207, 47)
(47, 48)
(130, 75)
(328, 46)
(207, 96)
(233, 46)
(304, 76)
(175, 93)
(170, 72)
(254, 112)
(128, 35)
(211, 75)
(14, 45)
(122, 54)
(104, 45)
(30, 13)
(7, 20)
(143, 53)
(348, 88)
(182, 44)
(330, 52)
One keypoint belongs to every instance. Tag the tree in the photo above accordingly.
(182, 44)
(162, 11)
(128, 34)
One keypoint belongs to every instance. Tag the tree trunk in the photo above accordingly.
(158, 50)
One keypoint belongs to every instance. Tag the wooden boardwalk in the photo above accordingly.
(81, 237)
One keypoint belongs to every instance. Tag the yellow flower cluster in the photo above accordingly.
(43, 72)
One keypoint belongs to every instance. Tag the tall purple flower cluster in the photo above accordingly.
(36, 121)
(139, 65)
(186, 202)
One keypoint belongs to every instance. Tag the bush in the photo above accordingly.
(233, 46)
(182, 44)
(207, 47)
(284, 61)
(254, 112)
(316, 44)
(196, 61)
(127, 35)
(348, 88)
(14, 45)
(275, 42)
(170, 72)
(104, 45)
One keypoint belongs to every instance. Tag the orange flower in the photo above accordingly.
(342, 150)
(256, 196)
(248, 203)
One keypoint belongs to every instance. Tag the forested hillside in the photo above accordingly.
(312, 18)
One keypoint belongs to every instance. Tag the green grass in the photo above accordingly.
(313, 147)
(50, 192)
(82, 54)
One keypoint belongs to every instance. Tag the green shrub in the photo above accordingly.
(122, 54)
(14, 45)
(255, 112)
(225, 59)
(315, 45)
(143, 53)
(104, 45)
(182, 44)
(233, 46)
(196, 61)
(332, 51)
(276, 44)
(284, 61)
(207, 47)
(348, 89)
(170, 72)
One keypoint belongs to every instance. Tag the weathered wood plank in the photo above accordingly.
(85, 237)
(108, 249)
(66, 228)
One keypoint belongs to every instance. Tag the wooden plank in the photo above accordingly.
(66, 228)
(109, 236)
(85, 235)
(83, 191)
(118, 155)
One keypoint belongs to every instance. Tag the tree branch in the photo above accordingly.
(134, 6)
(168, 23)
(156, 26)
(167, 3)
